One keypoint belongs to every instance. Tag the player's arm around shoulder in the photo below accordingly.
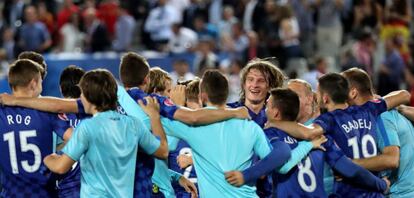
(396, 98)
(407, 111)
(298, 130)
(209, 116)
(49, 104)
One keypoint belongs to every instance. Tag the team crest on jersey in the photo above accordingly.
(168, 102)
(63, 117)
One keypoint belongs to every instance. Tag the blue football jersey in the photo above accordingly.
(260, 118)
(69, 184)
(182, 149)
(27, 138)
(306, 178)
(354, 131)
(145, 163)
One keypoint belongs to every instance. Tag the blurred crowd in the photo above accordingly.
(306, 37)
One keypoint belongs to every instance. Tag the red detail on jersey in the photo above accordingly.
(63, 117)
(168, 102)
(376, 101)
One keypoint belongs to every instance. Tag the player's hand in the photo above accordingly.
(241, 113)
(7, 99)
(317, 142)
(188, 186)
(177, 95)
(388, 184)
(184, 161)
(151, 108)
(403, 109)
(235, 178)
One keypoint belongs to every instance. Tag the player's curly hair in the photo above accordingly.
(273, 75)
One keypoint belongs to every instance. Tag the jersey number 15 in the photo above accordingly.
(25, 147)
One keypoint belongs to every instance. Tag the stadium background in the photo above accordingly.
(308, 38)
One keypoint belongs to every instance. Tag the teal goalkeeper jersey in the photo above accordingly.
(108, 144)
(402, 178)
(221, 147)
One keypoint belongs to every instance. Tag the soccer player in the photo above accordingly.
(305, 179)
(106, 144)
(180, 159)
(219, 147)
(258, 77)
(397, 142)
(36, 57)
(351, 127)
(27, 137)
(307, 108)
(69, 184)
(134, 71)
(160, 84)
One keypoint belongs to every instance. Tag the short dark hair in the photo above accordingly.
(36, 57)
(133, 69)
(273, 75)
(216, 86)
(69, 80)
(22, 71)
(336, 86)
(287, 102)
(192, 90)
(99, 88)
(359, 79)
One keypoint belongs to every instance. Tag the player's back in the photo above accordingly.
(26, 139)
(303, 180)
(354, 131)
(220, 147)
(110, 156)
(402, 178)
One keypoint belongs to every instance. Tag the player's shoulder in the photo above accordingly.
(369, 104)
(235, 104)
(273, 132)
(327, 116)
(136, 93)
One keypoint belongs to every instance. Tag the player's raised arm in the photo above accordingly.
(49, 104)
(396, 98)
(152, 110)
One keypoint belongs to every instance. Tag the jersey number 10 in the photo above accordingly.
(25, 147)
(353, 142)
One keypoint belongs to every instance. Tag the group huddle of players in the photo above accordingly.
(147, 138)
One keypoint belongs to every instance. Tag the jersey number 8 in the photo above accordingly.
(305, 169)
